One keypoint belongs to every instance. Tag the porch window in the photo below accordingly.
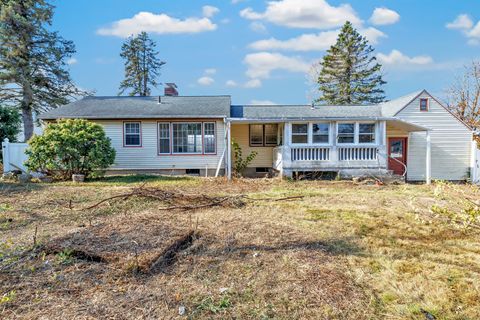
(271, 131)
(131, 134)
(187, 137)
(346, 133)
(300, 133)
(164, 138)
(263, 135)
(423, 104)
(366, 133)
(320, 132)
(209, 137)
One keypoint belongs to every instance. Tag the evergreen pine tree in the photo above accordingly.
(33, 60)
(349, 72)
(142, 65)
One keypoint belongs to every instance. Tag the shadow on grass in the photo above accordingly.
(15, 187)
(335, 247)
(138, 178)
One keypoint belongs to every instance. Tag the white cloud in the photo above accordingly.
(205, 81)
(258, 27)
(260, 65)
(465, 24)
(210, 11)
(462, 22)
(254, 83)
(312, 42)
(396, 58)
(316, 14)
(262, 102)
(384, 16)
(231, 83)
(156, 23)
(72, 61)
(210, 71)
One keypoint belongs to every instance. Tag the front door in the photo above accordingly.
(397, 155)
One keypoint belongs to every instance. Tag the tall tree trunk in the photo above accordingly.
(27, 116)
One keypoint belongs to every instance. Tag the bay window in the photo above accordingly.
(300, 133)
(346, 133)
(132, 134)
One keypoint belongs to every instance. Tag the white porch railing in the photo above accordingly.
(310, 154)
(357, 153)
(328, 157)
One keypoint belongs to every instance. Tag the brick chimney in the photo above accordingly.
(171, 89)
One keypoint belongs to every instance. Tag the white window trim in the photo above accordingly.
(187, 153)
(356, 134)
(293, 134)
(125, 145)
(214, 137)
(170, 140)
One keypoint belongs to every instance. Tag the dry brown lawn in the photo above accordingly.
(343, 251)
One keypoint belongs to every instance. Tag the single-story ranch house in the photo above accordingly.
(414, 135)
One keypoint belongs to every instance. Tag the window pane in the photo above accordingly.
(367, 128)
(187, 137)
(320, 128)
(131, 127)
(271, 134)
(366, 138)
(320, 132)
(300, 128)
(164, 137)
(209, 137)
(132, 139)
(256, 135)
(299, 138)
(346, 128)
(320, 138)
(345, 139)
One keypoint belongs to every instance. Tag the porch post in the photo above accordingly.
(229, 152)
(383, 148)
(6, 155)
(428, 168)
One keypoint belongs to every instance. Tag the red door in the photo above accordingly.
(397, 154)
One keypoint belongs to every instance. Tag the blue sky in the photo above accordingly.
(262, 51)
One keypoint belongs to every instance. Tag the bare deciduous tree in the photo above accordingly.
(464, 95)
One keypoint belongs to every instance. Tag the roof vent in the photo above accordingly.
(171, 89)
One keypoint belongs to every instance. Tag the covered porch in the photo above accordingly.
(352, 147)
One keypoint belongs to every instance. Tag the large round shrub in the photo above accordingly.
(69, 147)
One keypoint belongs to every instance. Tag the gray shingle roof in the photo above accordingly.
(305, 111)
(392, 107)
(143, 107)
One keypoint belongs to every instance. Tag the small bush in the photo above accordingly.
(70, 147)
(240, 163)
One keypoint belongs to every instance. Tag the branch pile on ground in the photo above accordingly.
(179, 201)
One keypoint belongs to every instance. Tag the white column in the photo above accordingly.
(228, 169)
(428, 168)
(6, 155)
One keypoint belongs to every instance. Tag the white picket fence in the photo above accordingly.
(13, 156)
(476, 165)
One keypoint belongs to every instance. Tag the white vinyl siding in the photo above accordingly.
(146, 157)
(450, 142)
